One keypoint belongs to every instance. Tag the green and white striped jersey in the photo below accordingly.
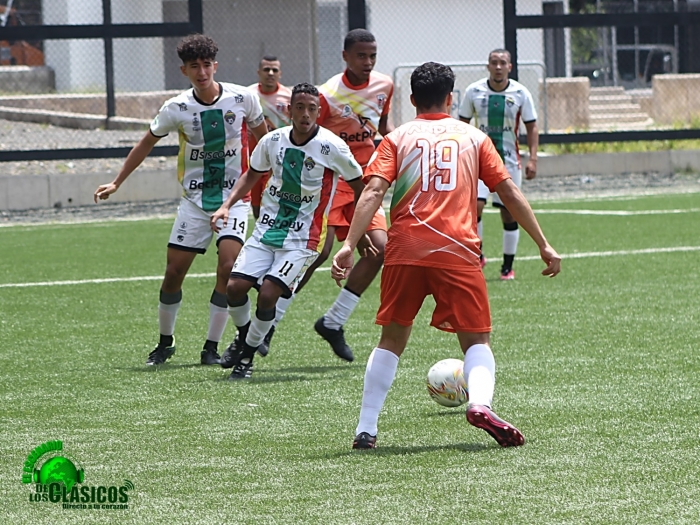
(213, 141)
(296, 200)
(498, 114)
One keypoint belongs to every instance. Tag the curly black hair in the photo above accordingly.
(304, 87)
(196, 46)
(431, 83)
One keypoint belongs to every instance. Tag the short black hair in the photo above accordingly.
(431, 83)
(357, 35)
(196, 46)
(269, 58)
(499, 51)
(304, 87)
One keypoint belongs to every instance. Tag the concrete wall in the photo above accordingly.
(675, 98)
(567, 103)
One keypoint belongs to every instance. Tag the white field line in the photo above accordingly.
(617, 212)
(576, 255)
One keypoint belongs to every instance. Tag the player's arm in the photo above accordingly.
(533, 142)
(259, 131)
(465, 119)
(385, 125)
(136, 156)
(364, 245)
(240, 189)
(520, 209)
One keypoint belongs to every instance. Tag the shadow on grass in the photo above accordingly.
(421, 449)
(161, 368)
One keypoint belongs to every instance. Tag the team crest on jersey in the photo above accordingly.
(182, 106)
(347, 111)
(381, 100)
(510, 101)
(309, 163)
(281, 106)
(195, 123)
(325, 149)
(230, 117)
(484, 102)
(280, 156)
(238, 99)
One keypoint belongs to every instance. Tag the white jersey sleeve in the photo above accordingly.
(466, 109)
(164, 122)
(529, 113)
(343, 162)
(253, 110)
(260, 158)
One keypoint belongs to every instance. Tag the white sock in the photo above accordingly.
(480, 373)
(167, 314)
(510, 241)
(240, 314)
(218, 317)
(281, 308)
(258, 328)
(379, 375)
(338, 314)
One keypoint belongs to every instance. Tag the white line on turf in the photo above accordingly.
(575, 255)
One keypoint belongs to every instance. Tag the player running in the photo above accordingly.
(305, 160)
(355, 106)
(496, 105)
(433, 248)
(212, 120)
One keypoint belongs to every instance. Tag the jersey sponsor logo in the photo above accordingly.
(238, 99)
(291, 197)
(230, 117)
(221, 184)
(381, 100)
(356, 137)
(325, 149)
(281, 224)
(182, 106)
(197, 154)
(309, 163)
(495, 129)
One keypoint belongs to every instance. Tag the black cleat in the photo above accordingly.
(364, 441)
(210, 356)
(336, 338)
(264, 348)
(232, 354)
(242, 370)
(160, 354)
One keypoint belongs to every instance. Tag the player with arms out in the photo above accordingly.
(274, 99)
(355, 106)
(212, 120)
(496, 105)
(305, 160)
(433, 247)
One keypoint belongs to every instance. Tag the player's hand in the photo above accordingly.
(552, 259)
(342, 264)
(365, 247)
(531, 169)
(104, 191)
(220, 214)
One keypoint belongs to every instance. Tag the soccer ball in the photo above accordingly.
(446, 384)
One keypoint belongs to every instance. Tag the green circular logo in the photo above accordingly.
(59, 470)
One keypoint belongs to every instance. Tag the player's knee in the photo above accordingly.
(174, 275)
(510, 226)
(235, 290)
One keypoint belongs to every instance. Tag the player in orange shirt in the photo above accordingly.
(355, 106)
(274, 99)
(433, 247)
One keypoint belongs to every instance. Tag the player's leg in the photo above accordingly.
(402, 294)
(287, 268)
(330, 326)
(511, 233)
(230, 239)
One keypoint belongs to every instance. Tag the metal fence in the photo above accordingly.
(598, 69)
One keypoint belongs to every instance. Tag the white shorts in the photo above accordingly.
(483, 192)
(191, 231)
(257, 262)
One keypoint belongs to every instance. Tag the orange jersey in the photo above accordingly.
(436, 162)
(353, 112)
(275, 107)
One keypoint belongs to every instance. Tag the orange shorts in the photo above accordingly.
(462, 303)
(342, 210)
(257, 190)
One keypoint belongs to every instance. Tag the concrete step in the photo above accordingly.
(617, 108)
(614, 118)
(609, 100)
(607, 91)
(622, 126)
